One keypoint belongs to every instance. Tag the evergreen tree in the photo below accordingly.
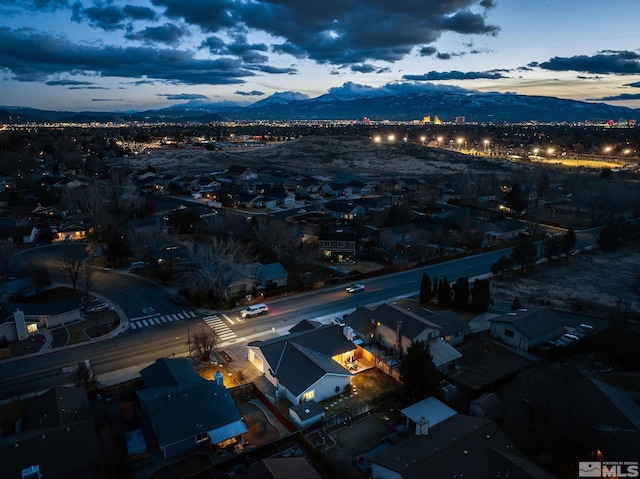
(434, 293)
(516, 304)
(461, 293)
(418, 373)
(516, 198)
(480, 296)
(425, 289)
(608, 239)
(568, 242)
(504, 263)
(524, 253)
(444, 293)
(552, 248)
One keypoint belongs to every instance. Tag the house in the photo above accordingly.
(504, 230)
(527, 328)
(57, 434)
(241, 173)
(337, 246)
(50, 314)
(185, 410)
(395, 328)
(19, 234)
(456, 446)
(393, 197)
(486, 406)
(400, 237)
(305, 365)
(344, 210)
(360, 188)
(258, 276)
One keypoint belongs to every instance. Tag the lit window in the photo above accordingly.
(308, 395)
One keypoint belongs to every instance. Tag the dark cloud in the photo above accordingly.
(87, 88)
(427, 51)
(168, 33)
(362, 32)
(271, 69)
(249, 93)
(633, 85)
(66, 82)
(36, 5)
(589, 77)
(623, 96)
(606, 62)
(106, 99)
(183, 96)
(110, 17)
(368, 68)
(354, 89)
(35, 56)
(444, 56)
(455, 75)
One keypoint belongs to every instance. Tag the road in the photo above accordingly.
(140, 298)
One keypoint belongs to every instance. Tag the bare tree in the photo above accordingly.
(86, 273)
(209, 268)
(204, 341)
(71, 265)
(153, 240)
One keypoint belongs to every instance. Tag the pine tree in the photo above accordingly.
(434, 293)
(568, 242)
(524, 253)
(480, 296)
(444, 293)
(418, 372)
(461, 293)
(516, 304)
(425, 289)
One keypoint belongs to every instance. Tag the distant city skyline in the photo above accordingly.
(144, 54)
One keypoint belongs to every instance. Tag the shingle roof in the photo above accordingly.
(534, 323)
(412, 324)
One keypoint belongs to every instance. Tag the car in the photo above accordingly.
(96, 308)
(355, 288)
(177, 299)
(337, 321)
(254, 310)
(138, 265)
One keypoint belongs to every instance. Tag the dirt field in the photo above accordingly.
(595, 282)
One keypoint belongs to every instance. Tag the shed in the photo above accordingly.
(306, 413)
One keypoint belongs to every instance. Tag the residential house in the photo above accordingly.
(337, 246)
(333, 189)
(57, 434)
(504, 230)
(185, 409)
(394, 197)
(258, 276)
(395, 328)
(455, 446)
(400, 237)
(51, 314)
(19, 234)
(305, 365)
(359, 188)
(527, 328)
(344, 210)
(241, 173)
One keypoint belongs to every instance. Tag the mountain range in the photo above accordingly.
(340, 104)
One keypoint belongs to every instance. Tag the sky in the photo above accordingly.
(131, 55)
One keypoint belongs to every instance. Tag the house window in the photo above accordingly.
(340, 244)
(308, 396)
(508, 333)
(326, 244)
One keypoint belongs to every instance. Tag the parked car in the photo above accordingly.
(96, 308)
(337, 321)
(138, 265)
(254, 310)
(355, 288)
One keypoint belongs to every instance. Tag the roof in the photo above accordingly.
(462, 446)
(271, 271)
(172, 386)
(342, 206)
(488, 402)
(57, 406)
(442, 352)
(508, 224)
(52, 308)
(430, 410)
(307, 409)
(534, 323)
(290, 468)
(302, 358)
(412, 324)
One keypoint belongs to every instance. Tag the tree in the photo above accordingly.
(434, 292)
(516, 198)
(568, 242)
(86, 274)
(425, 289)
(71, 265)
(204, 341)
(418, 372)
(444, 292)
(502, 264)
(516, 304)
(40, 277)
(524, 253)
(461, 293)
(608, 239)
(552, 248)
(480, 296)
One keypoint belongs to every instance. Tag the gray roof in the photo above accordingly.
(429, 409)
(412, 324)
(182, 404)
(271, 271)
(508, 224)
(442, 352)
(535, 322)
(308, 409)
(301, 359)
(462, 446)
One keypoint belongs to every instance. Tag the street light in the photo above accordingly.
(460, 141)
(422, 138)
(486, 145)
(439, 142)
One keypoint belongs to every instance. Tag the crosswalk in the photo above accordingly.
(216, 323)
(153, 320)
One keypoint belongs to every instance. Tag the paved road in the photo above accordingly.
(146, 303)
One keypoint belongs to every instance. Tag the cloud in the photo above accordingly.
(87, 88)
(36, 56)
(66, 83)
(106, 99)
(354, 89)
(111, 17)
(622, 96)
(633, 85)
(368, 68)
(168, 33)
(455, 75)
(427, 51)
(605, 62)
(364, 31)
(249, 93)
(36, 5)
(183, 96)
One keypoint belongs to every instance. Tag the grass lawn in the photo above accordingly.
(365, 434)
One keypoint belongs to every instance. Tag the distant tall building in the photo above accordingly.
(426, 119)
(460, 120)
(366, 119)
(436, 120)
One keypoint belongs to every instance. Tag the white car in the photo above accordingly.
(354, 288)
(337, 321)
(254, 310)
